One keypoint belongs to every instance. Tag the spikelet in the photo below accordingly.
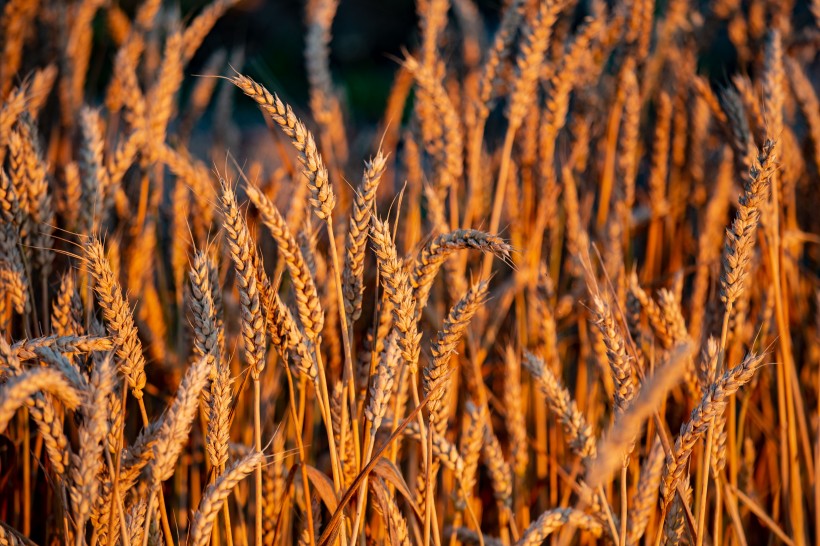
(450, 149)
(622, 371)
(206, 331)
(531, 59)
(444, 452)
(646, 494)
(386, 504)
(13, 277)
(50, 426)
(161, 96)
(381, 386)
(66, 309)
(472, 438)
(219, 416)
(10, 537)
(28, 348)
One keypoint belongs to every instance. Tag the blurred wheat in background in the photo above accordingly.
(567, 289)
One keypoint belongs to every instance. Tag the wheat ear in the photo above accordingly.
(322, 197)
(358, 228)
(713, 404)
(578, 432)
(553, 520)
(215, 495)
(118, 318)
(307, 297)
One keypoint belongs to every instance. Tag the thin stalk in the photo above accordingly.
(27, 476)
(784, 337)
(324, 405)
(624, 477)
(718, 523)
(116, 468)
(166, 528)
(424, 443)
(117, 508)
(428, 488)
(369, 440)
(300, 448)
(707, 446)
(257, 436)
(609, 518)
(498, 200)
(348, 381)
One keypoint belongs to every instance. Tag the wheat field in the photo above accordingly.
(567, 290)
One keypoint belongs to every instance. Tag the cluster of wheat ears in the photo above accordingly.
(574, 292)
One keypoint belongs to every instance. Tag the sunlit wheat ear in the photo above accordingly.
(216, 494)
(674, 529)
(11, 537)
(206, 332)
(66, 308)
(87, 464)
(553, 520)
(578, 432)
(118, 318)
(13, 276)
(445, 453)
(438, 371)
(653, 311)
(61, 345)
(307, 297)
(240, 246)
(620, 365)
(516, 418)
(386, 505)
(322, 197)
(396, 284)
(381, 385)
(500, 472)
(530, 59)
(450, 148)
(173, 433)
(219, 416)
(429, 261)
(740, 241)
(713, 404)
(644, 501)
(472, 439)
(17, 390)
(358, 228)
